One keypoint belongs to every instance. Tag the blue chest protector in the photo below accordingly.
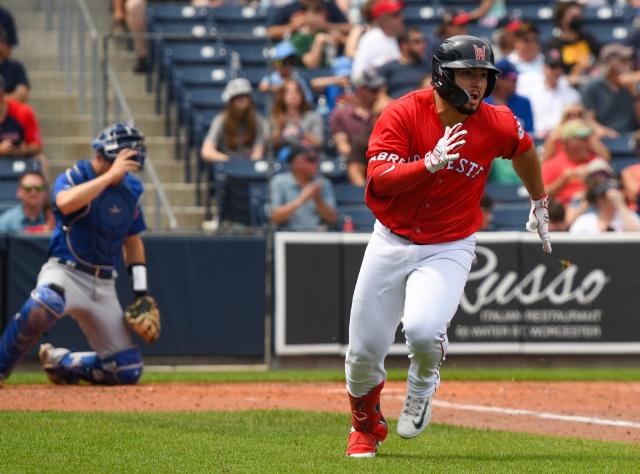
(95, 234)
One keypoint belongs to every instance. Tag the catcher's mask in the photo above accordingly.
(461, 52)
(112, 140)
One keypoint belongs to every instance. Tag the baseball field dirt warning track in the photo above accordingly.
(596, 410)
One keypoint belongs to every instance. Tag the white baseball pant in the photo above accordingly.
(420, 285)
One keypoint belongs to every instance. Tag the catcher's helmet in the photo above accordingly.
(461, 52)
(119, 136)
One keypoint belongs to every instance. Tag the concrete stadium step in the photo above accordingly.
(51, 103)
(188, 217)
(160, 149)
(81, 125)
(179, 194)
(47, 82)
(121, 61)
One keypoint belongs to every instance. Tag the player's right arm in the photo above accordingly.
(77, 197)
(388, 171)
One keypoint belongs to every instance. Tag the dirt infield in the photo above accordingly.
(596, 410)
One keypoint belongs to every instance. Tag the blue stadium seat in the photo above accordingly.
(361, 217)
(12, 168)
(510, 216)
(8, 188)
(168, 12)
(240, 19)
(189, 52)
(334, 169)
(254, 51)
(348, 194)
(258, 198)
(232, 179)
(621, 163)
(622, 146)
(507, 193)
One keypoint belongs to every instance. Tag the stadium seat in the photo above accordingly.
(510, 216)
(12, 168)
(622, 146)
(507, 193)
(258, 198)
(621, 163)
(334, 169)
(361, 217)
(348, 194)
(168, 12)
(8, 189)
(240, 19)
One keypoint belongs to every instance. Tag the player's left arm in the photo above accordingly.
(527, 167)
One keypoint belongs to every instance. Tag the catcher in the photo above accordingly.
(98, 219)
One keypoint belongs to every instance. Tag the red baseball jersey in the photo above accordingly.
(427, 207)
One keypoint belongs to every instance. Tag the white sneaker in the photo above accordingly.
(415, 416)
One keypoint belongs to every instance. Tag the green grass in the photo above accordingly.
(278, 441)
(335, 375)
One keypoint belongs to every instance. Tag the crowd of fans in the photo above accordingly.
(20, 138)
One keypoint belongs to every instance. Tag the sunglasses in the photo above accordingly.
(37, 189)
(311, 159)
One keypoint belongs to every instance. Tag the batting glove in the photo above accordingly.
(442, 154)
(539, 221)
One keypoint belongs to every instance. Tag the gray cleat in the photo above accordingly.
(415, 416)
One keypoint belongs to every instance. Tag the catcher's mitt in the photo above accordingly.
(143, 317)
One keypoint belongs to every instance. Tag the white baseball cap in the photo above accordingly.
(236, 87)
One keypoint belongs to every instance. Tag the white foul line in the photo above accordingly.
(539, 414)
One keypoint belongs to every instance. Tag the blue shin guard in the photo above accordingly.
(121, 368)
(39, 313)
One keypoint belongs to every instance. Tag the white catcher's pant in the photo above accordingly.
(94, 304)
(418, 284)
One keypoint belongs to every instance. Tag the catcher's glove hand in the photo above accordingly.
(143, 317)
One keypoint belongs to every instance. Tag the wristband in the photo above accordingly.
(138, 272)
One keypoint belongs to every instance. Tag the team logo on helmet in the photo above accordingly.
(481, 53)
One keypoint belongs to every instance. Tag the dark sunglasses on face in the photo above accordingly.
(37, 189)
(311, 159)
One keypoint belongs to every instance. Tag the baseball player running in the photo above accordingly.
(428, 160)
(98, 216)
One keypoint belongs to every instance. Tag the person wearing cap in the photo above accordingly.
(379, 45)
(608, 212)
(336, 86)
(504, 36)
(563, 174)
(505, 94)
(301, 15)
(239, 131)
(302, 199)
(351, 118)
(453, 23)
(284, 63)
(607, 97)
(16, 83)
(551, 95)
(579, 48)
(404, 74)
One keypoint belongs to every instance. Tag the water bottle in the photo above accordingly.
(347, 224)
(322, 107)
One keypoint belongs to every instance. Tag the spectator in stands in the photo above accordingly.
(32, 214)
(564, 173)
(284, 62)
(359, 29)
(486, 206)
(293, 121)
(303, 15)
(301, 199)
(16, 84)
(630, 177)
(556, 217)
(351, 118)
(608, 212)
(131, 14)
(336, 87)
(504, 37)
(552, 95)
(613, 104)
(19, 130)
(453, 22)
(379, 45)
(578, 47)
(9, 26)
(239, 131)
(505, 94)
(527, 57)
(357, 158)
(553, 141)
(404, 74)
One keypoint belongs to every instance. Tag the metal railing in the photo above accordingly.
(74, 15)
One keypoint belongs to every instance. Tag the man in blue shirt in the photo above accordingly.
(301, 199)
(29, 215)
(505, 94)
(98, 218)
